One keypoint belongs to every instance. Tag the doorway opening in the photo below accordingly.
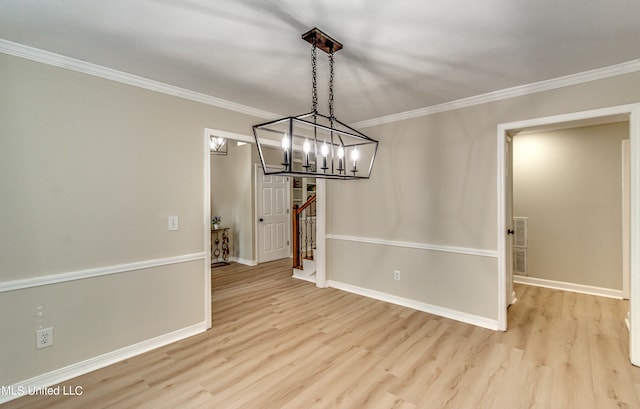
(630, 113)
(249, 244)
(567, 207)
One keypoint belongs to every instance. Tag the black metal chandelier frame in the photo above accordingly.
(313, 144)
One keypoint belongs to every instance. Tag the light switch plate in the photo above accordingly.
(173, 223)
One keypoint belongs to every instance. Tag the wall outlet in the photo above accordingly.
(396, 275)
(172, 222)
(44, 338)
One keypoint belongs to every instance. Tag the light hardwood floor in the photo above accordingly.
(278, 342)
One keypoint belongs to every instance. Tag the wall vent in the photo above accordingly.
(520, 244)
(520, 260)
(520, 229)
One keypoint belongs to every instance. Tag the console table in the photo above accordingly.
(219, 247)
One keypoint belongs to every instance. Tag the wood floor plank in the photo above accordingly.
(277, 342)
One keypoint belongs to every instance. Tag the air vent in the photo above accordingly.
(520, 244)
(520, 260)
(520, 228)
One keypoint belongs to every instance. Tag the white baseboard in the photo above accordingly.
(626, 321)
(304, 278)
(244, 261)
(417, 305)
(560, 285)
(68, 372)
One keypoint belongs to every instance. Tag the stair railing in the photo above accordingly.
(303, 227)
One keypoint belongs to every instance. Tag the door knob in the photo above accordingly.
(261, 219)
(509, 231)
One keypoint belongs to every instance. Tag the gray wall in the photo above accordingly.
(90, 170)
(434, 183)
(568, 183)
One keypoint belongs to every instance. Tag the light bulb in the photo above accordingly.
(355, 155)
(285, 150)
(306, 147)
(324, 150)
(340, 159)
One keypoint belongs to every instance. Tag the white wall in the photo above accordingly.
(433, 190)
(90, 169)
(568, 183)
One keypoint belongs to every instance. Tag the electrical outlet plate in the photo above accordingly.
(44, 338)
(396, 275)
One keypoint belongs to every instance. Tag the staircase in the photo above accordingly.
(303, 226)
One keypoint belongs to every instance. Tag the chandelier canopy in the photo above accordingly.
(313, 144)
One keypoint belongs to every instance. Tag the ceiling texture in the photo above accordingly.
(398, 55)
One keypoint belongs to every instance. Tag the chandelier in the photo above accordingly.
(313, 144)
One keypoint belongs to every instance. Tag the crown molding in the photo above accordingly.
(57, 60)
(521, 90)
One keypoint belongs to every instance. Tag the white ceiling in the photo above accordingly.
(397, 56)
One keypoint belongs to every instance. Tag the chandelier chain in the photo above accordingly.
(314, 75)
(331, 116)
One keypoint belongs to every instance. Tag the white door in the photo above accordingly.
(508, 193)
(273, 217)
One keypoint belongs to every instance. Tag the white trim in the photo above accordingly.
(626, 171)
(304, 278)
(321, 236)
(413, 245)
(96, 272)
(206, 176)
(229, 135)
(633, 111)
(561, 285)
(416, 305)
(57, 60)
(91, 364)
(614, 111)
(256, 230)
(634, 279)
(521, 90)
(501, 175)
(244, 261)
